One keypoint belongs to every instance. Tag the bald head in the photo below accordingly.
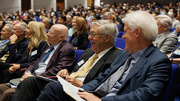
(61, 29)
(57, 33)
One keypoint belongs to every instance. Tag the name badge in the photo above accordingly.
(80, 62)
(34, 53)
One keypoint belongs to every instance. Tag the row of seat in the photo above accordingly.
(120, 43)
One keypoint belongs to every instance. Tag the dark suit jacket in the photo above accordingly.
(145, 81)
(26, 60)
(82, 41)
(15, 50)
(101, 65)
(63, 58)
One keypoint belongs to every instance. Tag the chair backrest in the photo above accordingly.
(167, 93)
(120, 43)
(118, 26)
(172, 30)
(89, 45)
(70, 38)
(120, 34)
(78, 55)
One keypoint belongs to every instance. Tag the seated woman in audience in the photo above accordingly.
(36, 34)
(80, 37)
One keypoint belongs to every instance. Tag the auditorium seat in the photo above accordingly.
(120, 43)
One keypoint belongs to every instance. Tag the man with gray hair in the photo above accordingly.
(47, 23)
(5, 35)
(17, 44)
(166, 40)
(139, 73)
(102, 36)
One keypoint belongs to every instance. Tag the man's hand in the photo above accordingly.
(88, 96)
(12, 69)
(26, 75)
(74, 81)
(13, 39)
(63, 73)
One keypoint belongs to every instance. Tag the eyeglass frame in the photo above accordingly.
(92, 34)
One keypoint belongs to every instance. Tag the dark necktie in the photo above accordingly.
(44, 58)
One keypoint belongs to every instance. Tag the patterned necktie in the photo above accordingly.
(44, 58)
(86, 67)
(105, 87)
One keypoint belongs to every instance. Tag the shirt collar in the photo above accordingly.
(138, 54)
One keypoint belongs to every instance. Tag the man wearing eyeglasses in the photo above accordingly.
(102, 35)
(17, 44)
(139, 73)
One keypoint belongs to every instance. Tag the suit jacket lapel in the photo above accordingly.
(99, 64)
(140, 63)
(85, 56)
(55, 54)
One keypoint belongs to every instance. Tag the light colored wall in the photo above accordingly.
(10, 5)
(39, 4)
(75, 2)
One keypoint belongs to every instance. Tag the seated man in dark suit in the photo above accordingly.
(17, 44)
(102, 46)
(60, 55)
(139, 73)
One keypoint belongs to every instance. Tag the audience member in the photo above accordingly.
(173, 13)
(148, 71)
(18, 43)
(36, 34)
(60, 55)
(47, 23)
(166, 40)
(80, 37)
(103, 48)
(2, 23)
(5, 35)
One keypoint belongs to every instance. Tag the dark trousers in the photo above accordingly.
(29, 89)
(54, 92)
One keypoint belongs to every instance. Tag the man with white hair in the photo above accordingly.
(166, 40)
(139, 73)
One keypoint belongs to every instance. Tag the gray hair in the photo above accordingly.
(49, 20)
(22, 26)
(108, 14)
(165, 20)
(107, 27)
(144, 21)
(11, 27)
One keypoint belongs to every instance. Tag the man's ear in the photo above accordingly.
(138, 32)
(108, 38)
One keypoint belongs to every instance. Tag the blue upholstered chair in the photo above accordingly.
(167, 92)
(78, 55)
(69, 38)
(120, 34)
(120, 43)
(172, 30)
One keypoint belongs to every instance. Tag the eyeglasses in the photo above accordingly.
(93, 34)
